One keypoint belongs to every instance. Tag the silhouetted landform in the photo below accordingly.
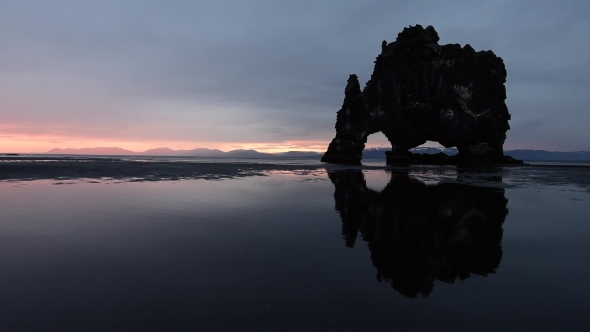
(526, 155)
(542, 155)
(417, 233)
(170, 152)
(107, 151)
(199, 152)
(9, 154)
(368, 153)
(379, 153)
(421, 91)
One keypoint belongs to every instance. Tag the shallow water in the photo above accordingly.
(264, 248)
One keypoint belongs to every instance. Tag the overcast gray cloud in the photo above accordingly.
(267, 70)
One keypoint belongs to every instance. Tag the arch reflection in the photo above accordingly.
(419, 233)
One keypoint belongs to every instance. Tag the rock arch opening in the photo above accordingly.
(376, 146)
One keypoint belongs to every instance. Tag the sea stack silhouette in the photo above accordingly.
(421, 91)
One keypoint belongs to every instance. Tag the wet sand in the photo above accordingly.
(15, 168)
(108, 240)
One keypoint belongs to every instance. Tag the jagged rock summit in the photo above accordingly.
(421, 91)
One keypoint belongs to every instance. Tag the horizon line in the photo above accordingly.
(240, 149)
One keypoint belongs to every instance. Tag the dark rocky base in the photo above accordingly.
(344, 160)
(443, 159)
(428, 159)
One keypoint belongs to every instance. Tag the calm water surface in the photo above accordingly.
(295, 251)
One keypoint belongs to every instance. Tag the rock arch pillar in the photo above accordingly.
(353, 126)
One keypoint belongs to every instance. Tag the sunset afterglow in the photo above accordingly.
(34, 144)
(42, 144)
(180, 79)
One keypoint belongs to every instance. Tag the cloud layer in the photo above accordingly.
(243, 72)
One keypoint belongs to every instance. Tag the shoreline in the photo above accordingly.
(273, 161)
(23, 169)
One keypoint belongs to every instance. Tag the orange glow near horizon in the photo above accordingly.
(42, 144)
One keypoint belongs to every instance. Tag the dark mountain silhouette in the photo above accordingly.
(542, 155)
(379, 153)
(299, 154)
(166, 152)
(369, 153)
(247, 154)
(111, 151)
(199, 152)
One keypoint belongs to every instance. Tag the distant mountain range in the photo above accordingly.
(200, 152)
(379, 153)
(542, 155)
(369, 153)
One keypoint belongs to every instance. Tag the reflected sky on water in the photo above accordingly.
(289, 250)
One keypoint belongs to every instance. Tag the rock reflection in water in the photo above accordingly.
(417, 233)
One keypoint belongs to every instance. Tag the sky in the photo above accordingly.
(263, 74)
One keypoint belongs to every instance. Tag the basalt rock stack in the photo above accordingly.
(421, 91)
